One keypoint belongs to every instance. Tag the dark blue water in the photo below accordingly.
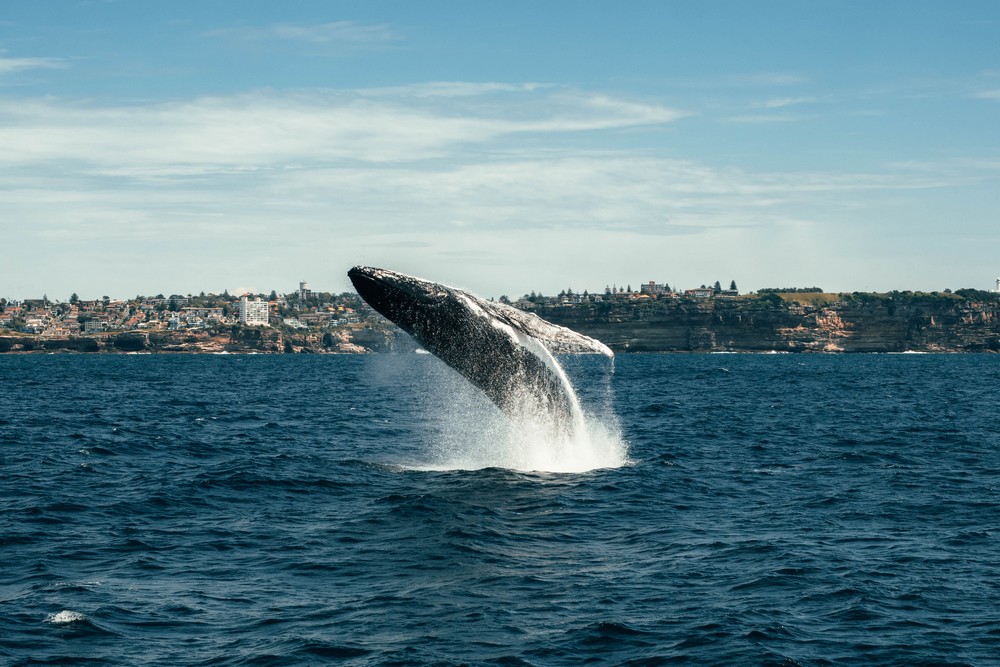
(273, 510)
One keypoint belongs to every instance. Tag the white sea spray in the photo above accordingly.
(64, 617)
(472, 433)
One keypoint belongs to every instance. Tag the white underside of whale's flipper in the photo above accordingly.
(558, 340)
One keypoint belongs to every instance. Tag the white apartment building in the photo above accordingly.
(253, 312)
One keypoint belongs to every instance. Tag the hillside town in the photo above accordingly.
(299, 310)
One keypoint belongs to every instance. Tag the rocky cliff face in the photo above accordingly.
(757, 325)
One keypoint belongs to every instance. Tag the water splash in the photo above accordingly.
(471, 433)
(526, 445)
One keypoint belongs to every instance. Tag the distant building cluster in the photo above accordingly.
(301, 309)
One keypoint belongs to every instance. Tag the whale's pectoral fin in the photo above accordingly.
(558, 340)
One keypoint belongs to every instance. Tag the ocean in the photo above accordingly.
(376, 510)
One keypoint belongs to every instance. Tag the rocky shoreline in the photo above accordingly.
(237, 340)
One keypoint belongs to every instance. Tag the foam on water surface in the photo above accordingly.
(64, 617)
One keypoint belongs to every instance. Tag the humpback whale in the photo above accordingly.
(505, 352)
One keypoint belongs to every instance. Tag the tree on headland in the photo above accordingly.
(74, 299)
(790, 290)
(732, 285)
(717, 287)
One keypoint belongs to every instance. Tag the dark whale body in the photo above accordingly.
(504, 351)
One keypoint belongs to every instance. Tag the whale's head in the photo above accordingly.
(405, 300)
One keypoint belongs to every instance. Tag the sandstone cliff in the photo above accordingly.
(838, 323)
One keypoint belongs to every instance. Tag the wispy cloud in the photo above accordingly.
(452, 89)
(955, 170)
(782, 102)
(773, 110)
(766, 118)
(333, 32)
(988, 95)
(11, 65)
(267, 129)
(769, 79)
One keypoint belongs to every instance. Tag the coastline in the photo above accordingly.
(794, 323)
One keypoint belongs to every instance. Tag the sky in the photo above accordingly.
(180, 147)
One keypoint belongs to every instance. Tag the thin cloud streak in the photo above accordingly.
(766, 118)
(451, 89)
(769, 79)
(13, 65)
(333, 32)
(782, 102)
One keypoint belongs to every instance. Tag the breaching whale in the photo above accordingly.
(504, 351)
